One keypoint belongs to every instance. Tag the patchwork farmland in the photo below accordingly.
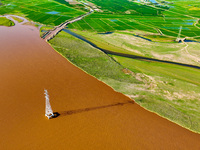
(163, 19)
(45, 12)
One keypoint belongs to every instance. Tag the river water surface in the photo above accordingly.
(92, 115)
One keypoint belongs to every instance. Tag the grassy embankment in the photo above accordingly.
(6, 22)
(17, 19)
(44, 29)
(87, 57)
(171, 91)
(126, 42)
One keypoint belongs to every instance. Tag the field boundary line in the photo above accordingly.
(107, 24)
(89, 24)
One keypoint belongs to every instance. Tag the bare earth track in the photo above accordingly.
(50, 34)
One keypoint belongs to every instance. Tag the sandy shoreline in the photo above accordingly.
(93, 115)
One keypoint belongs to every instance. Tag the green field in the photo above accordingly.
(114, 15)
(169, 90)
(17, 19)
(131, 15)
(6, 22)
(122, 6)
(49, 12)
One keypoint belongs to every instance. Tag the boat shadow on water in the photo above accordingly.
(55, 114)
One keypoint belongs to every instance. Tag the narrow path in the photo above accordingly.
(16, 22)
(195, 58)
(195, 24)
(50, 34)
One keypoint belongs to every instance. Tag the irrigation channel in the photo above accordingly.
(127, 55)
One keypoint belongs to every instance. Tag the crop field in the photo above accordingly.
(168, 26)
(127, 7)
(125, 15)
(186, 7)
(115, 15)
(50, 12)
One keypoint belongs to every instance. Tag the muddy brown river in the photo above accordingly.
(92, 115)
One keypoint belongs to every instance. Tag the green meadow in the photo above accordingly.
(6, 22)
(17, 19)
(129, 43)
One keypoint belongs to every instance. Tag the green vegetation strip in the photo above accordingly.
(6, 22)
(87, 57)
(167, 89)
(17, 19)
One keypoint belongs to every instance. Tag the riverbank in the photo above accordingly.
(156, 86)
(92, 115)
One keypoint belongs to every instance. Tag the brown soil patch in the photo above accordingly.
(92, 115)
(29, 24)
(72, 2)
